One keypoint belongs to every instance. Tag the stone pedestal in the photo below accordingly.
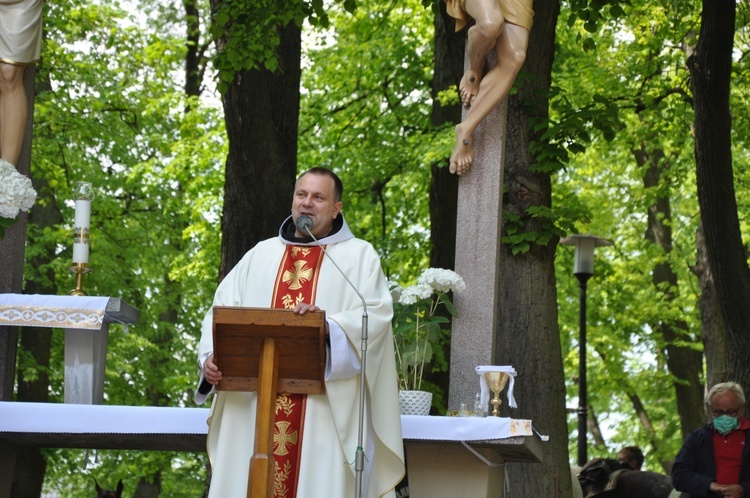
(85, 363)
(452, 470)
(86, 355)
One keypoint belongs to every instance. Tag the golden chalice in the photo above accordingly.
(496, 381)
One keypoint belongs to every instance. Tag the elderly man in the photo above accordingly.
(315, 435)
(715, 460)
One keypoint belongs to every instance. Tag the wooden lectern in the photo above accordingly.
(268, 351)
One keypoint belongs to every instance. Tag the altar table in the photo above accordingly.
(446, 456)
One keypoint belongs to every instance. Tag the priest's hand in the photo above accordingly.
(211, 371)
(303, 308)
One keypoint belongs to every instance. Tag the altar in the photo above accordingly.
(446, 456)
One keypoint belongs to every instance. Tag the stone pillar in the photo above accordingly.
(86, 355)
(85, 364)
(477, 252)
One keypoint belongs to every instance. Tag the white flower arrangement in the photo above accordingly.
(442, 280)
(416, 326)
(16, 194)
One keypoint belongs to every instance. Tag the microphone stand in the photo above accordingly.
(359, 459)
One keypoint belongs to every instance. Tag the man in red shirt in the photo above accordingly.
(714, 461)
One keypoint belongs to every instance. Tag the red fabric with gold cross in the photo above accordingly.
(296, 282)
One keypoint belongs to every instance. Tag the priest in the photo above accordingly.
(315, 436)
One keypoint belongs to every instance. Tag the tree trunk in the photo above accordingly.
(261, 109)
(449, 64)
(194, 67)
(148, 489)
(712, 327)
(685, 363)
(528, 337)
(710, 70)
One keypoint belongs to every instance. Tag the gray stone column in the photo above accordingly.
(85, 364)
(477, 252)
(86, 355)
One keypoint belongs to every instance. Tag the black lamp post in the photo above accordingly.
(583, 269)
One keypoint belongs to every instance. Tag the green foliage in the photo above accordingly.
(551, 223)
(247, 32)
(419, 324)
(570, 131)
(417, 332)
(4, 224)
(637, 78)
(592, 15)
(365, 108)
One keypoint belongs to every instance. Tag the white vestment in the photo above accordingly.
(331, 421)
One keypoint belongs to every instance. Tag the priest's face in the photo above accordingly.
(314, 197)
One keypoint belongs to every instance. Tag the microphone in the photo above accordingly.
(304, 224)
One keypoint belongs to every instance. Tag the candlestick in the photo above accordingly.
(84, 194)
(79, 269)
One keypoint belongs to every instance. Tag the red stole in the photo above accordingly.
(296, 282)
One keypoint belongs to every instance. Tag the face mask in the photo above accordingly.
(724, 424)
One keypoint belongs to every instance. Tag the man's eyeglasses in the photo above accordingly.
(731, 413)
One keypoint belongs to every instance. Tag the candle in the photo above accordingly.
(84, 195)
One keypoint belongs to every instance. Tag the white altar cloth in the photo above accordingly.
(436, 428)
(36, 310)
(18, 416)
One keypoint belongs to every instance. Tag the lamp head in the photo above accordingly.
(584, 256)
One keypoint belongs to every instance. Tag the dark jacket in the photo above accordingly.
(694, 467)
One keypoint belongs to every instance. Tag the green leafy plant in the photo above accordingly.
(417, 323)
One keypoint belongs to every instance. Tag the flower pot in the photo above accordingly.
(415, 402)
